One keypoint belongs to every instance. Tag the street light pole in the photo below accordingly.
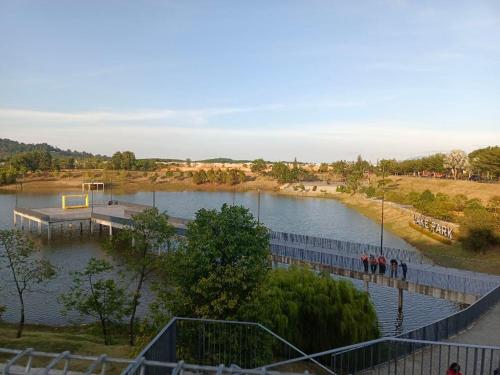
(382, 222)
(154, 196)
(258, 206)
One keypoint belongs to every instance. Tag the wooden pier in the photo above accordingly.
(115, 215)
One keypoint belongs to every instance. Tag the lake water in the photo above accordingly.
(313, 216)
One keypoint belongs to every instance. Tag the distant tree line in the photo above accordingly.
(218, 176)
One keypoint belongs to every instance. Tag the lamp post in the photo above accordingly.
(258, 206)
(382, 221)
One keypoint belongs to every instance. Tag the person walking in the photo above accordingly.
(394, 268)
(382, 263)
(373, 263)
(404, 268)
(364, 259)
(454, 369)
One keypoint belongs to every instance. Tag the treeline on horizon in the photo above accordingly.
(18, 159)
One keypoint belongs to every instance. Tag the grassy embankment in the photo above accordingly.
(397, 219)
(83, 340)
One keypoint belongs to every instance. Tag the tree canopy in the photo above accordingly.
(314, 312)
(223, 259)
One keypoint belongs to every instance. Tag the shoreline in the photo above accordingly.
(396, 219)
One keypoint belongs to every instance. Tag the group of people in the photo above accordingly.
(380, 262)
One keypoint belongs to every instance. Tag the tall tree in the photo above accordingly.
(95, 293)
(258, 166)
(17, 254)
(456, 161)
(116, 160)
(143, 246)
(127, 160)
(486, 161)
(223, 259)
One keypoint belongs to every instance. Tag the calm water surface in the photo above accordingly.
(313, 216)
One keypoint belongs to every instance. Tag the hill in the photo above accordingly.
(9, 148)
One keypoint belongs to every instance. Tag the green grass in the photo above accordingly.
(83, 340)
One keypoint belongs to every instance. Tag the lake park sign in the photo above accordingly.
(433, 226)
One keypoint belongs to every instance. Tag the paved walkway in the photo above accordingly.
(485, 331)
(434, 360)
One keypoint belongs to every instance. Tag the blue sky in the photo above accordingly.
(316, 80)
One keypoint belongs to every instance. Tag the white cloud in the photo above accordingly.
(106, 132)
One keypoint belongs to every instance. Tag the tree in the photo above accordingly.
(116, 160)
(323, 168)
(456, 161)
(215, 270)
(486, 161)
(127, 160)
(258, 166)
(17, 254)
(143, 246)
(312, 311)
(95, 293)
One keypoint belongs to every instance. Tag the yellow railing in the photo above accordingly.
(65, 206)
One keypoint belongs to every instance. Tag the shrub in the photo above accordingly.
(314, 312)
(479, 229)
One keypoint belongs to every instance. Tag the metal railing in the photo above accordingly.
(457, 322)
(420, 351)
(450, 279)
(347, 247)
(214, 342)
(403, 356)
(29, 361)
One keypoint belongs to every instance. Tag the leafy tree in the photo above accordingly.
(116, 161)
(486, 161)
(143, 246)
(456, 161)
(127, 160)
(312, 311)
(17, 254)
(95, 293)
(223, 259)
(258, 166)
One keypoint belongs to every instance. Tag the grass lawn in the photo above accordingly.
(471, 189)
(78, 340)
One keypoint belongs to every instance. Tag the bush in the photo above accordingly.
(314, 312)
(479, 229)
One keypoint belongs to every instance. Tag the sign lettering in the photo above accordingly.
(433, 226)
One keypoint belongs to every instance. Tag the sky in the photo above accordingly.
(315, 80)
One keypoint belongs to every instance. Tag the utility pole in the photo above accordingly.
(258, 206)
(111, 189)
(382, 222)
(92, 195)
(154, 196)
